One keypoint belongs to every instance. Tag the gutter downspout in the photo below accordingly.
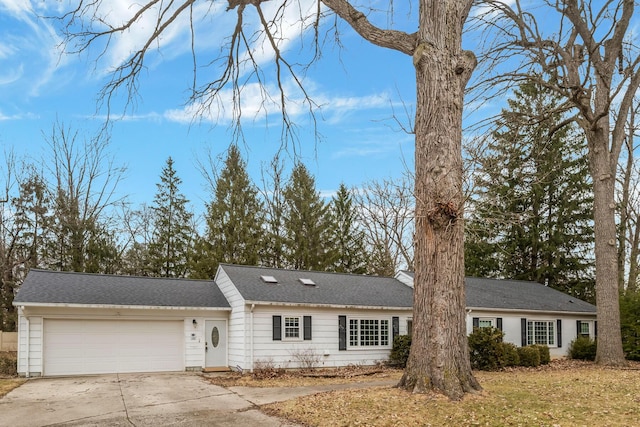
(251, 337)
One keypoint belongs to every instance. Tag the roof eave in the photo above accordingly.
(529, 311)
(319, 305)
(116, 306)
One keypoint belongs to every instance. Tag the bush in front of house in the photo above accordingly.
(583, 348)
(400, 351)
(545, 353)
(529, 356)
(511, 356)
(8, 363)
(486, 349)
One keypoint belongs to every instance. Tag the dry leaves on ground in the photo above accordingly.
(294, 378)
(565, 393)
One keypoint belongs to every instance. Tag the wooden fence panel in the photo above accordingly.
(8, 341)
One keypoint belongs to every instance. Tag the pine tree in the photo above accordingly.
(234, 219)
(172, 238)
(348, 252)
(306, 223)
(531, 219)
(272, 194)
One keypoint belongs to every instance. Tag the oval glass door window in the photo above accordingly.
(215, 336)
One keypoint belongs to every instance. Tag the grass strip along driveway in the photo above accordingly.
(564, 393)
(8, 384)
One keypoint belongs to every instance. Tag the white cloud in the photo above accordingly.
(31, 37)
(16, 7)
(260, 102)
(12, 75)
(6, 50)
(4, 117)
(488, 10)
(174, 41)
(290, 23)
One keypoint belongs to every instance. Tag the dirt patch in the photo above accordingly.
(299, 378)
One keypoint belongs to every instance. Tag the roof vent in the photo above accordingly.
(307, 282)
(269, 279)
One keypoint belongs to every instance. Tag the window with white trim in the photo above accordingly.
(292, 328)
(541, 332)
(585, 329)
(369, 333)
(485, 322)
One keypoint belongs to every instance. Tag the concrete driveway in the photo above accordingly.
(167, 399)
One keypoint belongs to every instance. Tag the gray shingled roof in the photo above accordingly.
(330, 289)
(519, 295)
(54, 287)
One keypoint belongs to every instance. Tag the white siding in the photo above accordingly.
(193, 337)
(29, 345)
(238, 345)
(404, 278)
(22, 345)
(324, 342)
(512, 326)
(194, 343)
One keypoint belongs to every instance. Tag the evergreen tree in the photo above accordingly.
(349, 255)
(171, 242)
(22, 231)
(272, 193)
(306, 223)
(531, 218)
(234, 219)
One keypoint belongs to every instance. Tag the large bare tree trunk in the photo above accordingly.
(439, 358)
(609, 350)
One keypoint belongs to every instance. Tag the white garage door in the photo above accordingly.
(109, 346)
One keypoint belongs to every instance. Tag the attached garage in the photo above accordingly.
(106, 346)
(79, 324)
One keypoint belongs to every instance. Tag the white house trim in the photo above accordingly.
(336, 306)
(471, 310)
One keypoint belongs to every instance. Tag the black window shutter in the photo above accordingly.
(595, 329)
(342, 332)
(499, 323)
(578, 328)
(476, 322)
(559, 322)
(277, 328)
(523, 331)
(395, 327)
(307, 327)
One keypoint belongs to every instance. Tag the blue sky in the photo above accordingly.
(360, 87)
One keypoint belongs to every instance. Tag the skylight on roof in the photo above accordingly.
(307, 282)
(269, 279)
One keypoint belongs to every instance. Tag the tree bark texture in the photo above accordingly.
(609, 350)
(439, 358)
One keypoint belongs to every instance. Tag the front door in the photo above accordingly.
(216, 344)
